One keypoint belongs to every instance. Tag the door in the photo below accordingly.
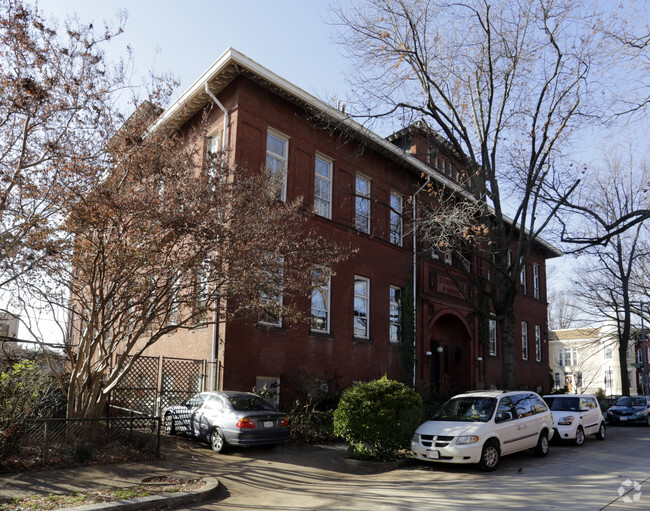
(507, 425)
(528, 422)
(590, 414)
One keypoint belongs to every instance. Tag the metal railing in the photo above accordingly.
(49, 442)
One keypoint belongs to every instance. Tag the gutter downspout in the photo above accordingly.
(225, 115)
(215, 317)
(415, 285)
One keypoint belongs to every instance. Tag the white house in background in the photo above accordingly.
(585, 360)
(9, 325)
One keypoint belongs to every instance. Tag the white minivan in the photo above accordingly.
(481, 426)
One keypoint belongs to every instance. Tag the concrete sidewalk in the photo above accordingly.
(175, 462)
(185, 460)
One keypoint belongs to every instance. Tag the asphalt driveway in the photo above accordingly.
(612, 475)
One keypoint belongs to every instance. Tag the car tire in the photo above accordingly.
(579, 440)
(541, 449)
(648, 421)
(602, 432)
(218, 441)
(170, 427)
(490, 456)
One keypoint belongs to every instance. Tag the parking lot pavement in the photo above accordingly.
(611, 475)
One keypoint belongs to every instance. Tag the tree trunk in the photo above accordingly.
(507, 325)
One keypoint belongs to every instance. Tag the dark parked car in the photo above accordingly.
(228, 418)
(632, 409)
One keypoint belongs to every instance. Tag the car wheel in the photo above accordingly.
(170, 427)
(648, 421)
(541, 449)
(218, 441)
(601, 432)
(580, 437)
(490, 456)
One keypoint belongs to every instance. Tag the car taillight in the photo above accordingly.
(245, 423)
(284, 422)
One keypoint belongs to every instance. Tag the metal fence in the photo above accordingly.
(59, 442)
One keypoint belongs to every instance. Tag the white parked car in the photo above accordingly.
(481, 426)
(575, 416)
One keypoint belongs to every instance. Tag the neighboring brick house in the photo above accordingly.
(359, 186)
(585, 360)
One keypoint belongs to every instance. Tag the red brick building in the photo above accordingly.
(359, 186)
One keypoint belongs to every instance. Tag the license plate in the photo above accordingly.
(268, 424)
(433, 455)
(623, 418)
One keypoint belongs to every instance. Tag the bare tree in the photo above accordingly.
(56, 113)
(608, 278)
(167, 242)
(562, 311)
(507, 84)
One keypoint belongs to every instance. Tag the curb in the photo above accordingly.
(171, 500)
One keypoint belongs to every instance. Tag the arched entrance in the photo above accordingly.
(451, 365)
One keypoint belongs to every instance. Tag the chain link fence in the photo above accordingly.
(61, 442)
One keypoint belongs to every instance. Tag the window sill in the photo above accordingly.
(362, 339)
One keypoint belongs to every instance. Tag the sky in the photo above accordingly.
(290, 38)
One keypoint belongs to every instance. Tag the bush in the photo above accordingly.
(312, 427)
(26, 391)
(378, 418)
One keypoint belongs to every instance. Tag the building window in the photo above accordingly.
(277, 151)
(536, 280)
(538, 343)
(395, 219)
(361, 307)
(609, 352)
(323, 187)
(522, 276)
(362, 204)
(320, 303)
(213, 143)
(395, 328)
(556, 380)
(493, 337)
(202, 289)
(449, 259)
(524, 340)
(271, 297)
(568, 357)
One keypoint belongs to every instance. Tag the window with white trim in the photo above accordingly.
(277, 156)
(522, 276)
(361, 307)
(538, 343)
(320, 303)
(492, 337)
(449, 259)
(271, 297)
(362, 204)
(524, 340)
(609, 352)
(323, 186)
(536, 293)
(395, 219)
(395, 328)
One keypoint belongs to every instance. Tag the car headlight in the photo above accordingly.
(466, 440)
(565, 421)
(416, 438)
(640, 412)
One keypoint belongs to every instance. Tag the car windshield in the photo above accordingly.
(466, 409)
(564, 404)
(631, 401)
(249, 404)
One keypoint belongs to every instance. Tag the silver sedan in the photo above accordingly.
(228, 418)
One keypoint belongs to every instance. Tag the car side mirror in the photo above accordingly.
(503, 416)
